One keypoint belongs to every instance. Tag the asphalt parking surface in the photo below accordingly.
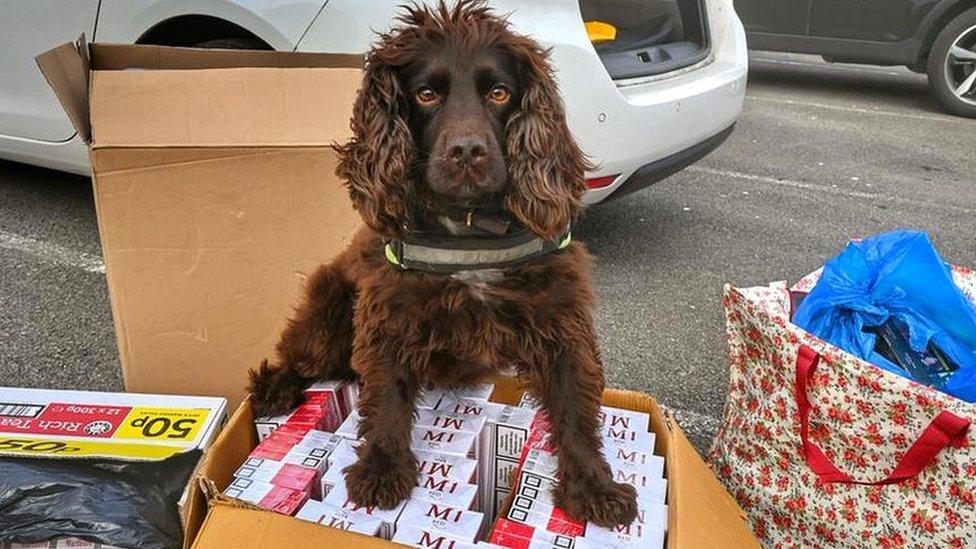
(822, 153)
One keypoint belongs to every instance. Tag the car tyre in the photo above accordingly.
(240, 43)
(952, 65)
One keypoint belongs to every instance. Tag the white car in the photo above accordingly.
(660, 95)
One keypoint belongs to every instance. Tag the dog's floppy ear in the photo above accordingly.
(376, 160)
(546, 167)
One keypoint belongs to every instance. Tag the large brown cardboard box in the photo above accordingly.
(215, 195)
(701, 514)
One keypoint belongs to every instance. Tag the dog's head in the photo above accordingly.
(456, 109)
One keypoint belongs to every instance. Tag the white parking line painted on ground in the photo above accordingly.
(827, 189)
(860, 110)
(830, 66)
(51, 253)
(784, 182)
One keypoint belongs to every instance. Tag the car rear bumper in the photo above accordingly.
(627, 125)
(651, 173)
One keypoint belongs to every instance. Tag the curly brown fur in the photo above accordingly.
(402, 330)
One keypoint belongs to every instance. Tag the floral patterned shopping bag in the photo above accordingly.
(822, 449)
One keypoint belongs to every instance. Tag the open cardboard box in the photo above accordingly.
(700, 512)
(216, 196)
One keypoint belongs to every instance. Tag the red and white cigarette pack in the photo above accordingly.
(267, 496)
(324, 408)
(618, 418)
(438, 398)
(454, 439)
(315, 457)
(450, 466)
(533, 505)
(332, 476)
(647, 530)
(647, 478)
(516, 535)
(430, 539)
(350, 426)
(443, 419)
(505, 433)
(445, 441)
(339, 497)
(343, 519)
(445, 491)
(456, 522)
(287, 475)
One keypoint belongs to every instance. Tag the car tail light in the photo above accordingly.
(600, 182)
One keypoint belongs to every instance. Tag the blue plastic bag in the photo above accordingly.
(897, 274)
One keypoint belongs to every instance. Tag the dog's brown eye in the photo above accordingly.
(499, 94)
(426, 96)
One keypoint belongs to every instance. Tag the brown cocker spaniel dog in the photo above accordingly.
(459, 132)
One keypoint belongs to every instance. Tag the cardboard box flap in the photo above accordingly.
(66, 70)
(279, 107)
(229, 526)
(137, 56)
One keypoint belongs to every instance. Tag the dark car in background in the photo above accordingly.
(935, 37)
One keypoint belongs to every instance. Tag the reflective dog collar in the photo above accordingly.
(450, 254)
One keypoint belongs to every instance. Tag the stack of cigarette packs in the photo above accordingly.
(534, 522)
(285, 470)
(467, 449)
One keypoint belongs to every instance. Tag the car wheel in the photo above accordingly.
(952, 65)
(242, 43)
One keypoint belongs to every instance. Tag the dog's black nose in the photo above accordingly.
(467, 151)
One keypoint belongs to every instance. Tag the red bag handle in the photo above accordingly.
(946, 429)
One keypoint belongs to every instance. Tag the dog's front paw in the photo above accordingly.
(275, 390)
(380, 479)
(599, 500)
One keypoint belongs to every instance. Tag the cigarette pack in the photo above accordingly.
(501, 445)
(267, 496)
(617, 418)
(334, 394)
(443, 419)
(430, 539)
(456, 522)
(636, 456)
(620, 437)
(343, 519)
(309, 415)
(339, 497)
(516, 535)
(350, 426)
(315, 456)
(436, 398)
(445, 491)
(332, 476)
(287, 475)
(442, 465)
(544, 517)
(324, 408)
(472, 407)
(445, 441)
(533, 506)
(647, 530)
(647, 478)
(633, 535)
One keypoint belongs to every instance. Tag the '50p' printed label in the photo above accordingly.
(103, 422)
